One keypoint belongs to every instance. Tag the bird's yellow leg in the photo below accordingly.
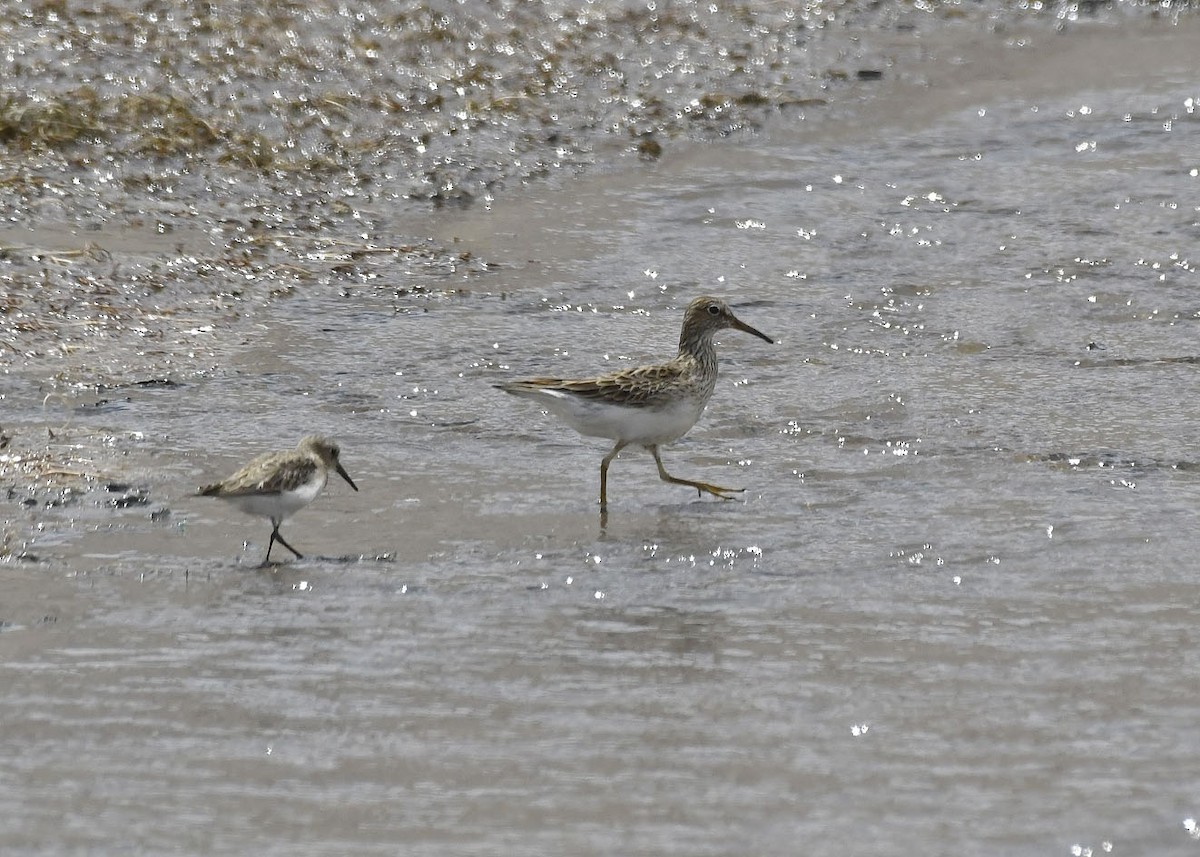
(715, 490)
(604, 472)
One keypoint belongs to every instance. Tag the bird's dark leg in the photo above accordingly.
(276, 537)
(604, 472)
(715, 490)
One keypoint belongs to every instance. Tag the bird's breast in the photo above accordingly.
(641, 424)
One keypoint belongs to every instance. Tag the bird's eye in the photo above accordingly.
(713, 309)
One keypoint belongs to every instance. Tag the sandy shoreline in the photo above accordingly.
(952, 612)
(126, 268)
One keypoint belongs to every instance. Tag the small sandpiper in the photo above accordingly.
(279, 484)
(646, 405)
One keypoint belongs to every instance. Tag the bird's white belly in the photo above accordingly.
(282, 505)
(641, 425)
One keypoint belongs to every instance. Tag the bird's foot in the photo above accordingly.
(716, 490)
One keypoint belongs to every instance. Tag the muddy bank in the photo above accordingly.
(165, 174)
(168, 176)
(959, 585)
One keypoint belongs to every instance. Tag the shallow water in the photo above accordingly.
(951, 614)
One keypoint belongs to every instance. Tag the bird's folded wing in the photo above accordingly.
(644, 385)
(270, 476)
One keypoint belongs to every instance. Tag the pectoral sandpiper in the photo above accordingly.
(646, 405)
(279, 484)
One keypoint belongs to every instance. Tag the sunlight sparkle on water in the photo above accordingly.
(690, 559)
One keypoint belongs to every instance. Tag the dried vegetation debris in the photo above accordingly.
(69, 468)
(80, 318)
(89, 317)
(428, 100)
(374, 100)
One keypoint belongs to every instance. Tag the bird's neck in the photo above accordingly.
(699, 348)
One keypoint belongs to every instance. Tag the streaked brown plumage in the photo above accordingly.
(645, 405)
(278, 484)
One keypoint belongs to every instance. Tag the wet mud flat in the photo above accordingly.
(955, 589)
(168, 174)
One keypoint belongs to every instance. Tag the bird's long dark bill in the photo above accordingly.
(342, 472)
(738, 324)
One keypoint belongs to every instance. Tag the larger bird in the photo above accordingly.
(647, 405)
(279, 484)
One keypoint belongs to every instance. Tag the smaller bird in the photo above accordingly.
(279, 484)
(645, 405)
